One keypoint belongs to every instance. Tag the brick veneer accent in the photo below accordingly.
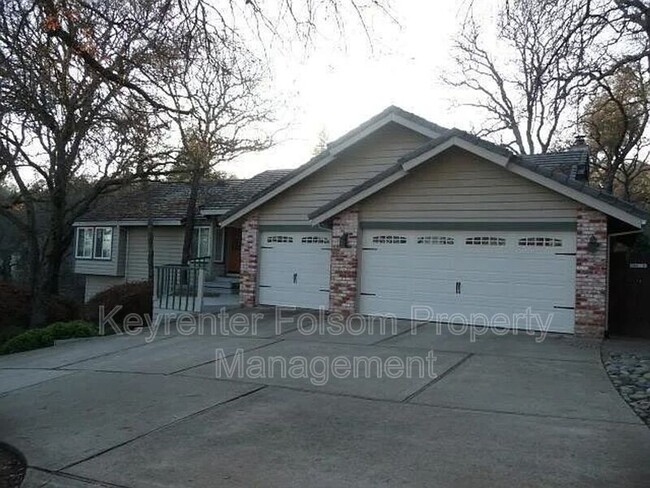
(248, 274)
(591, 274)
(343, 264)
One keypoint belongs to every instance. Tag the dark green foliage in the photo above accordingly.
(133, 297)
(37, 338)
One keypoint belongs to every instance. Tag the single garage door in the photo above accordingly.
(294, 269)
(467, 276)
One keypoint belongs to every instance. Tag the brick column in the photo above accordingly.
(249, 248)
(591, 274)
(343, 264)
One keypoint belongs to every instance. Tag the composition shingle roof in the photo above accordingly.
(168, 200)
(559, 166)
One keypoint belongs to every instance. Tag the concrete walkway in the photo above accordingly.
(499, 410)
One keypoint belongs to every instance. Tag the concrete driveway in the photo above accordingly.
(497, 410)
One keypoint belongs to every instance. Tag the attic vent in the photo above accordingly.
(540, 242)
(279, 239)
(485, 241)
(315, 240)
(436, 240)
(389, 240)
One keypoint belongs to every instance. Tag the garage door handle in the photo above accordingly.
(295, 278)
(458, 288)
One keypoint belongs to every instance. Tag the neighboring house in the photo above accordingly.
(401, 212)
(111, 240)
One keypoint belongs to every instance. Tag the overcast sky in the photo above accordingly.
(335, 86)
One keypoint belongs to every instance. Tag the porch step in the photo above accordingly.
(222, 284)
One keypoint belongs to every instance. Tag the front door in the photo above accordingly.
(233, 250)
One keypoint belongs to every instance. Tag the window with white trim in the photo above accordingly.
(201, 242)
(485, 241)
(103, 243)
(389, 240)
(436, 240)
(279, 239)
(84, 245)
(315, 240)
(540, 242)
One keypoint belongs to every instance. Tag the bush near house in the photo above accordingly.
(15, 310)
(134, 297)
(45, 337)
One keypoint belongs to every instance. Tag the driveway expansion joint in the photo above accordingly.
(162, 427)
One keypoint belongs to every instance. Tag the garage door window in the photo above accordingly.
(315, 240)
(389, 240)
(485, 241)
(436, 240)
(540, 242)
(279, 239)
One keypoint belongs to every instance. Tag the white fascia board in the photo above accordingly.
(362, 195)
(578, 196)
(269, 195)
(126, 223)
(350, 141)
(461, 143)
(414, 126)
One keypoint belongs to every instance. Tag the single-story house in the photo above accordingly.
(400, 214)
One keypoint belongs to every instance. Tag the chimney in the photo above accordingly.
(581, 172)
(580, 141)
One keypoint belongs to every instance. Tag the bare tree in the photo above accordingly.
(161, 26)
(220, 112)
(525, 81)
(615, 121)
(59, 119)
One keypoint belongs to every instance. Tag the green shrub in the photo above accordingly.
(9, 332)
(134, 297)
(45, 337)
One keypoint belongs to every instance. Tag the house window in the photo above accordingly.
(103, 243)
(201, 242)
(485, 241)
(436, 240)
(84, 248)
(540, 242)
(279, 239)
(315, 240)
(219, 243)
(389, 240)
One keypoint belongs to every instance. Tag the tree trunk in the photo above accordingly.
(190, 216)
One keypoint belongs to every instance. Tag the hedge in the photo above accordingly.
(45, 337)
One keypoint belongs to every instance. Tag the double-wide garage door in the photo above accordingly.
(294, 269)
(507, 279)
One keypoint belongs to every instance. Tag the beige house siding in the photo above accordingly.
(97, 284)
(351, 168)
(458, 186)
(102, 267)
(168, 245)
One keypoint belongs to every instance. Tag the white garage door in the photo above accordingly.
(468, 276)
(294, 269)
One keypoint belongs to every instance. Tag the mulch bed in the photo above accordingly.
(12, 467)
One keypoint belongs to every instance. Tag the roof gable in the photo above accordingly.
(392, 115)
(523, 166)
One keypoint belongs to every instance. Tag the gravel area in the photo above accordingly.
(12, 467)
(630, 374)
